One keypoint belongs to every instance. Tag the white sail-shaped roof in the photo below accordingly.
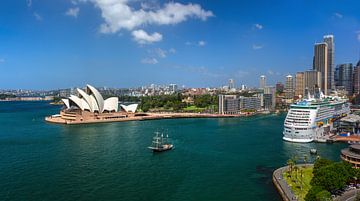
(77, 101)
(98, 97)
(130, 108)
(87, 98)
(111, 104)
(93, 101)
(66, 102)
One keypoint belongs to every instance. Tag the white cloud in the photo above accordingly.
(257, 47)
(141, 37)
(160, 52)
(172, 50)
(188, 43)
(149, 61)
(338, 15)
(201, 43)
(241, 74)
(119, 15)
(73, 12)
(270, 72)
(258, 26)
(37, 16)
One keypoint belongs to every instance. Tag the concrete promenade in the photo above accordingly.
(348, 195)
(145, 116)
(281, 185)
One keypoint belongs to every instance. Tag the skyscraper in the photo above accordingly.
(345, 77)
(262, 82)
(289, 87)
(299, 84)
(329, 40)
(357, 78)
(312, 80)
(231, 84)
(321, 64)
(269, 98)
(279, 87)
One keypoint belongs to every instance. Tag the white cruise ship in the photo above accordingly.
(306, 119)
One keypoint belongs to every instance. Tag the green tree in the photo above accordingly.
(311, 195)
(323, 195)
(333, 176)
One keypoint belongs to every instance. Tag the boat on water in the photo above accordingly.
(313, 151)
(309, 118)
(161, 143)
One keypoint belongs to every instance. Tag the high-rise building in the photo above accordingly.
(262, 82)
(250, 103)
(279, 87)
(321, 64)
(312, 81)
(269, 98)
(231, 84)
(173, 87)
(357, 78)
(329, 40)
(299, 84)
(289, 87)
(229, 104)
(344, 74)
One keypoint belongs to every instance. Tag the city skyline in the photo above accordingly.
(60, 44)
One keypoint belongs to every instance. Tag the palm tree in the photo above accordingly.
(305, 158)
(290, 164)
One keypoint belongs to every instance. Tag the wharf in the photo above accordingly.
(143, 117)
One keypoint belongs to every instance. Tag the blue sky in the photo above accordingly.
(128, 43)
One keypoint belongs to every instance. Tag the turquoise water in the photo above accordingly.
(214, 159)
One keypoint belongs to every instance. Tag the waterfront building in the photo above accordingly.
(312, 81)
(299, 84)
(351, 155)
(344, 77)
(349, 124)
(329, 40)
(308, 119)
(279, 87)
(289, 87)
(89, 106)
(269, 98)
(232, 104)
(320, 64)
(262, 82)
(229, 104)
(357, 78)
(250, 103)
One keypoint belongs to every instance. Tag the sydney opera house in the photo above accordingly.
(89, 106)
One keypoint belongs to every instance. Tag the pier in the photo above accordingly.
(139, 117)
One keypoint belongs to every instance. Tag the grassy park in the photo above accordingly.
(299, 178)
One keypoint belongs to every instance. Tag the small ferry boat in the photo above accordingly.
(161, 143)
(313, 151)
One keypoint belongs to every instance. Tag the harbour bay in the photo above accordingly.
(213, 159)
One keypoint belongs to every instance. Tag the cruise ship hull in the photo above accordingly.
(306, 120)
(297, 140)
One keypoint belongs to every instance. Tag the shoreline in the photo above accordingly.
(145, 117)
(281, 185)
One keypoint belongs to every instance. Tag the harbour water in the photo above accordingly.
(213, 159)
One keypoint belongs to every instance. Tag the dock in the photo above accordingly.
(145, 116)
